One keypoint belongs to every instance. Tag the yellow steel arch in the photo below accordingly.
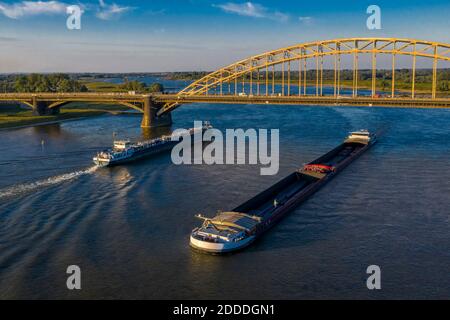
(350, 46)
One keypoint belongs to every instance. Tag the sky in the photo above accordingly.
(187, 35)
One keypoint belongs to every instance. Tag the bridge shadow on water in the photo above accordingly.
(152, 133)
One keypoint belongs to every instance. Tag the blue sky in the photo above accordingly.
(173, 35)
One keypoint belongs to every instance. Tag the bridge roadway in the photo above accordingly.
(57, 99)
(151, 104)
(402, 102)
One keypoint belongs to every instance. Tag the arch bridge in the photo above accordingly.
(292, 76)
(255, 79)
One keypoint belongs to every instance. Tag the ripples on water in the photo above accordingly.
(128, 227)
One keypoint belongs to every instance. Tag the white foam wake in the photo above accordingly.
(27, 187)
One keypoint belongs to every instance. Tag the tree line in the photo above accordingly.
(402, 76)
(41, 83)
(142, 87)
(60, 82)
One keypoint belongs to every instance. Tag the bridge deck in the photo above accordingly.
(308, 100)
(90, 96)
(233, 99)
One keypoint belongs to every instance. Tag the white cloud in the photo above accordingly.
(108, 12)
(22, 9)
(306, 20)
(250, 9)
(30, 8)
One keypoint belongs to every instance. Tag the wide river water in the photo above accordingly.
(128, 227)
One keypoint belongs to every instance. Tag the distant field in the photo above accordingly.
(103, 87)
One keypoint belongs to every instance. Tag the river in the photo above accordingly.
(128, 227)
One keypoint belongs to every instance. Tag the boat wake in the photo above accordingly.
(28, 187)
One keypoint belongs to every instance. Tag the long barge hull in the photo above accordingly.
(270, 206)
(311, 186)
(141, 154)
(125, 152)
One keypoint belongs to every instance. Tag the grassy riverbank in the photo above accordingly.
(12, 117)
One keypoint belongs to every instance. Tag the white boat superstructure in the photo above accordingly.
(122, 149)
(361, 136)
(228, 231)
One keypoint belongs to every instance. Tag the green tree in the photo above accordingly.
(20, 84)
(156, 87)
(64, 85)
(46, 83)
(6, 86)
(384, 84)
(443, 86)
(133, 86)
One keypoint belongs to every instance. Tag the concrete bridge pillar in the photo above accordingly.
(149, 119)
(40, 108)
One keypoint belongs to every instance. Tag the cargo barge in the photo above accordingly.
(124, 151)
(236, 229)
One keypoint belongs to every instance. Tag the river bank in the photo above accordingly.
(26, 118)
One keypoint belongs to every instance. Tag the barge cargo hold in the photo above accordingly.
(235, 230)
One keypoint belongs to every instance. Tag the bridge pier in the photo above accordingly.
(149, 119)
(41, 108)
